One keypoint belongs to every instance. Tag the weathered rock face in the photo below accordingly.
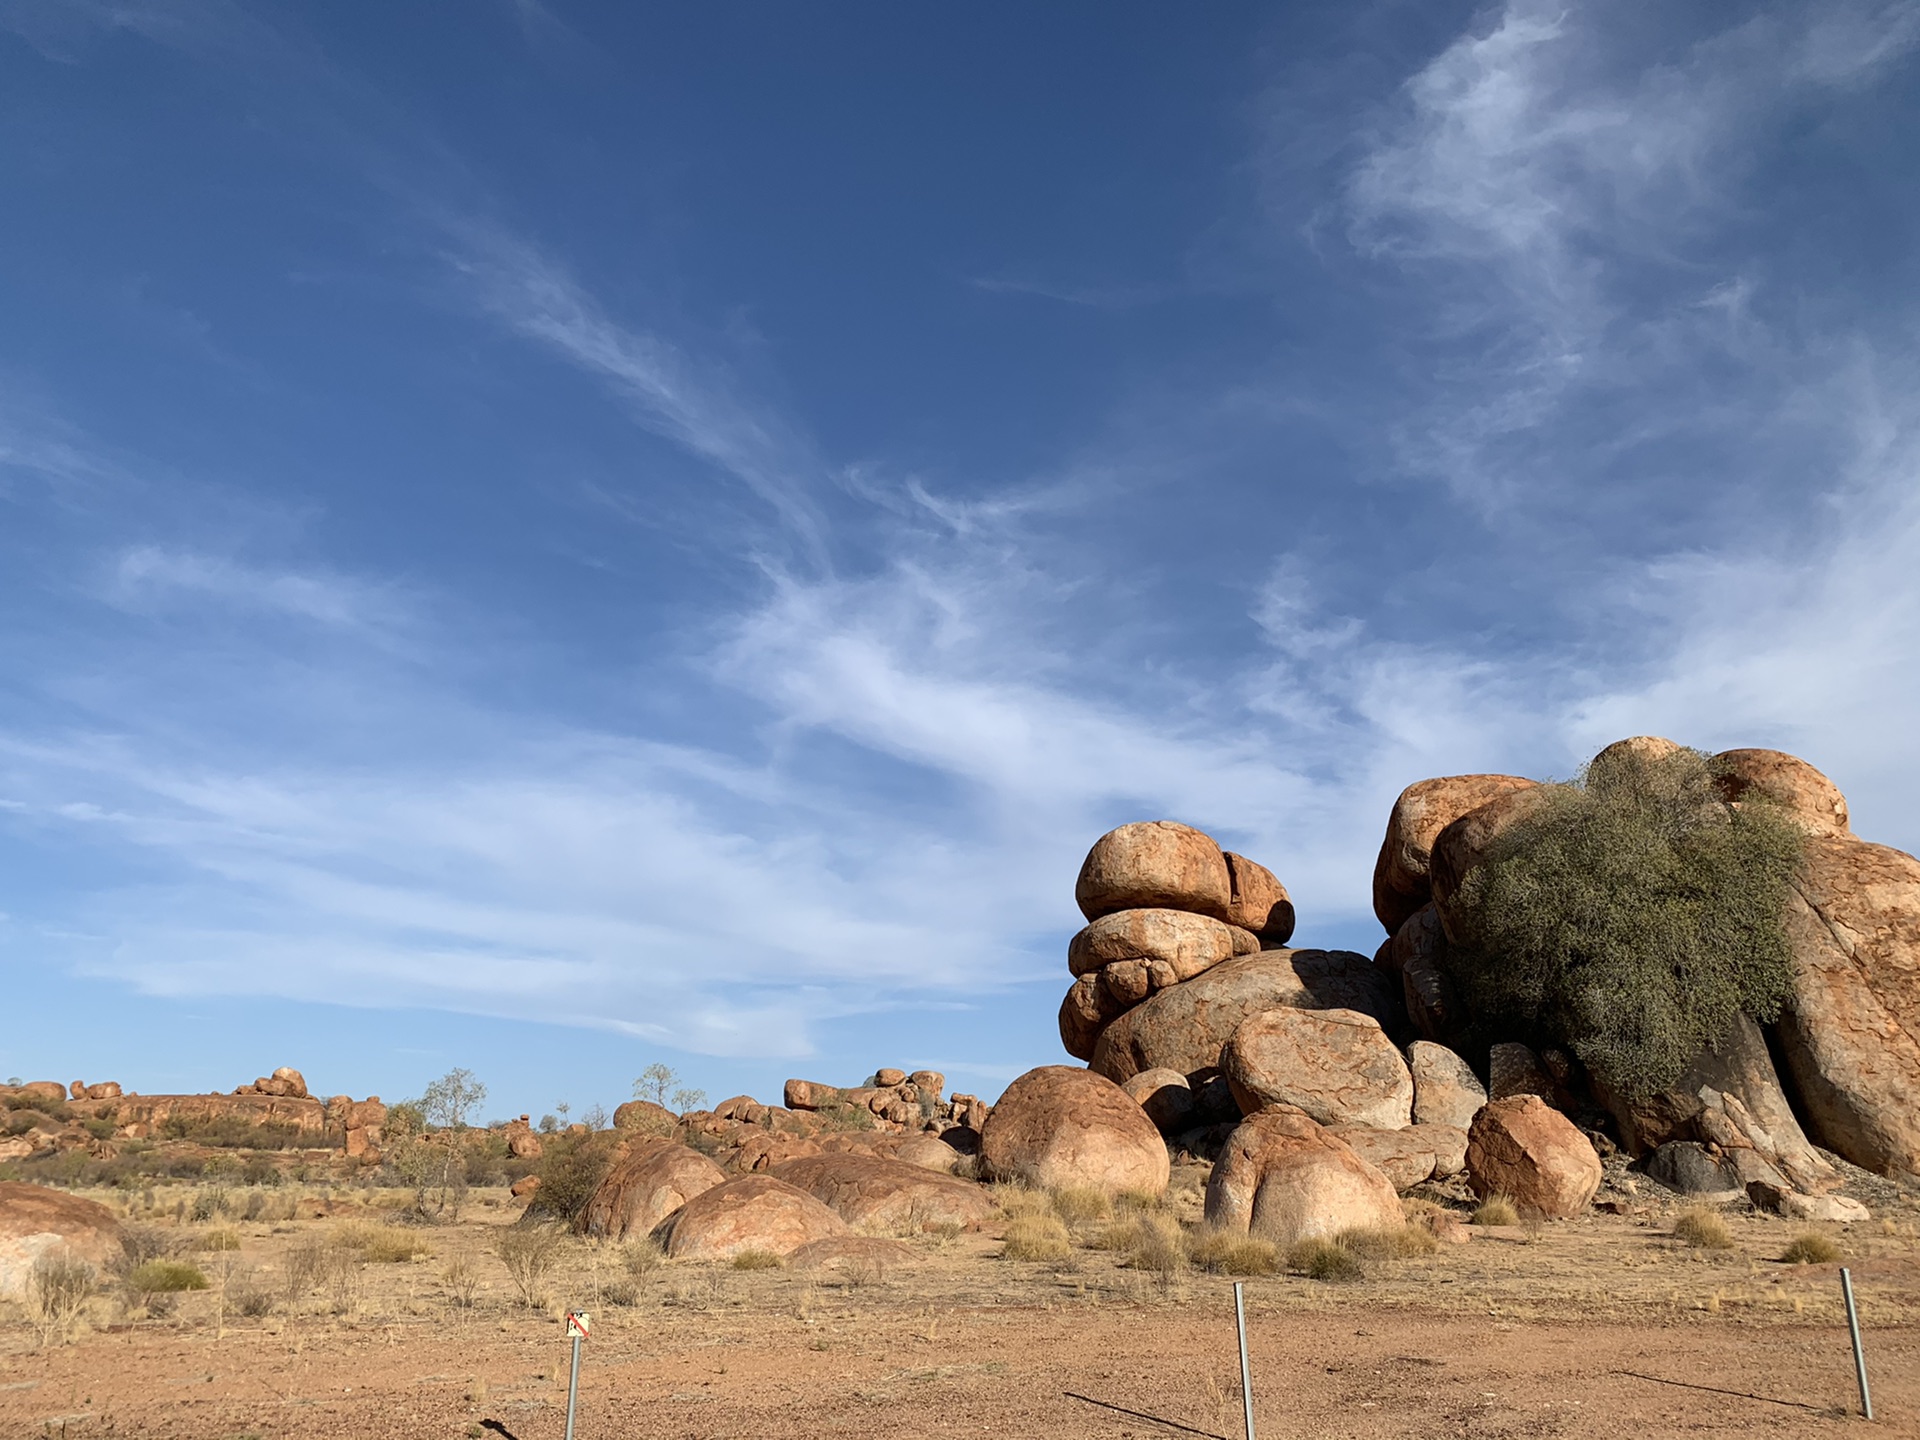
(928, 1152)
(1523, 1148)
(1167, 1099)
(44, 1090)
(1337, 1066)
(1730, 1098)
(36, 1222)
(1085, 1011)
(646, 1185)
(1406, 1157)
(1259, 902)
(299, 1112)
(1852, 1038)
(1813, 800)
(1689, 1168)
(1154, 865)
(754, 1212)
(810, 1095)
(867, 1190)
(1059, 1125)
(1136, 952)
(1187, 1027)
(1401, 883)
(1414, 953)
(1445, 1089)
(1466, 841)
(1284, 1178)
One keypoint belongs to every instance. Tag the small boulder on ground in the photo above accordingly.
(1060, 1125)
(1154, 864)
(1187, 1027)
(1445, 1089)
(1284, 1178)
(1258, 902)
(647, 1184)
(754, 1212)
(891, 1194)
(1336, 1065)
(37, 1223)
(1523, 1148)
(1777, 1199)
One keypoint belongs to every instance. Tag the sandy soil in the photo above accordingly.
(1602, 1326)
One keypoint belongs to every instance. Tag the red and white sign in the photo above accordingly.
(579, 1324)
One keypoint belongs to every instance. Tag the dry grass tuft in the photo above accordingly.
(379, 1244)
(1017, 1200)
(215, 1240)
(1811, 1248)
(1325, 1260)
(1224, 1252)
(1497, 1210)
(1388, 1242)
(1703, 1229)
(757, 1260)
(1149, 1242)
(1036, 1237)
(1079, 1204)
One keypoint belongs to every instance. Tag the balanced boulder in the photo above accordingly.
(1164, 946)
(1185, 1028)
(887, 1194)
(1337, 1066)
(1445, 1089)
(1852, 1036)
(1258, 902)
(641, 1189)
(1401, 883)
(1284, 1178)
(1523, 1148)
(1060, 1125)
(1154, 864)
(753, 1212)
(37, 1224)
(1087, 1009)
(1809, 798)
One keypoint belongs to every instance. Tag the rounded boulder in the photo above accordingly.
(1338, 1066)
(1175, 944)
(1283, 1178)
(892, 1194)
(1814, 801)
(1523, 1148)
(1154, 865)
(1060, 1125)
(1167, 1098)
(1258, 901)
(37, 1223)
(754, 1212)
(641, 1189)
(1401, 878)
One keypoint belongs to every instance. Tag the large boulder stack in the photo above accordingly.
(40, 1224)
(1164, 905)
(1402, 880)
(1059, 1125)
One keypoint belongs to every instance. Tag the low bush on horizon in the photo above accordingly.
(1633, 918)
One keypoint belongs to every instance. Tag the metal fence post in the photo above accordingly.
(1246, 1371)
(1859, 1355)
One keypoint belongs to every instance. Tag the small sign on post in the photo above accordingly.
(579, 1327)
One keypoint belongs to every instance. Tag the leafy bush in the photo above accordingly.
(571, 1168)
(165, 1277)
(1811, 1248)
(1226, 1252)
(1631, 918)
(1703, 1229)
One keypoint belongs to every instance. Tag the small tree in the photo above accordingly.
(426, 1142)
(1632, 918)
(660, 1084)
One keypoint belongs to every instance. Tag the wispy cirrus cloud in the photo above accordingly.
(145, 576)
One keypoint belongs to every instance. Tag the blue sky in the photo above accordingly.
(548, 538)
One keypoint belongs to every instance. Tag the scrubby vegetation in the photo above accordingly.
(1703, 1229)
(1811, 1248)
(1631, 918)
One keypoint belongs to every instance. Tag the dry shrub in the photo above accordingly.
(1388, 1242)
(164, 1277)
(1225, 1252)
(463, 1281)
(1149, 1242)
(642, 1257)
(58, 1287)
(621, 1292)
(1497, 1210)
(307, 1262)
(1325, 1260)
(379, 1244)
(1079, 1204)
(245, 1295)
(757, 1260)
(215, 1240)
(1703, 1229)
(1016, 1200)
(1147, 1200)
(141, 1243)
(1036, 1237)
(1810, 1247)
(529, 1252)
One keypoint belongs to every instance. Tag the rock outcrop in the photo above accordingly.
(1166, 1097)
(1284, 1178)
(752, 1212)
(37, 1223)
(1337, 1066)
(888, 1194)
(645, 1186)
(1409, 1156)
(1187, 1027)
(1059, 1125)
(1401, 874)
(1523, 1148)
(1154, 865)
(1812, 800)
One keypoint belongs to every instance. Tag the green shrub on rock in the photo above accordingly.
(1631, 917)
